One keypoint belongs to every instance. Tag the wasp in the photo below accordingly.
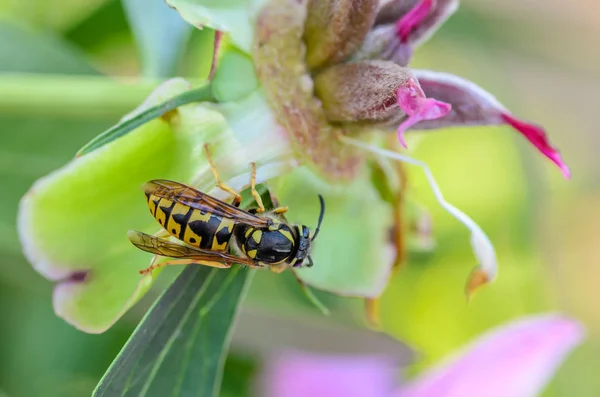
(219, 234)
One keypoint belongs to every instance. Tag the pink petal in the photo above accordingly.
(402, 25)
(473, 106)
(298, 374)
(516, 360)
(537, 136)
(412, 19)
(417, 107)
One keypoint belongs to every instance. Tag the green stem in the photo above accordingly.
(81, 97)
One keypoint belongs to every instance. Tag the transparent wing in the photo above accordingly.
(158, 246)
(180, 193)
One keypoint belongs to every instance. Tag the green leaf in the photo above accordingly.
(231, 16)
(180, 347)
(161, 35)
(141, 118)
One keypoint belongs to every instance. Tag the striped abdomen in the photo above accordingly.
(197, 228)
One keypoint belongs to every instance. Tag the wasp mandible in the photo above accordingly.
(211, 228)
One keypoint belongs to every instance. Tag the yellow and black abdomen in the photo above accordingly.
(195, 227)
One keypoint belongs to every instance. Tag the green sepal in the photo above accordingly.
(352, 255)
(73, 223)
(235, 76)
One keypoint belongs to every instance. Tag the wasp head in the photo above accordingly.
(304, 243)
(305, 240)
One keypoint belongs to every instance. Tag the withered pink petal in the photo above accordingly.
(412, 19)
(412, 100)
(514, 360)
(391, 11)
(402, 25)
(537, 136)
(433, 14)
(474, 106)
(301, 374)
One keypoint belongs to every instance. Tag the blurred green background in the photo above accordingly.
(70, 70)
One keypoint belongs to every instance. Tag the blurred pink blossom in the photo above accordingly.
(514, 360)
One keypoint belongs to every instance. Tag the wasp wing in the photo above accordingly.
(183, 194)
(158, 246)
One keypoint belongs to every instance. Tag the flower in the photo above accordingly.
(338, 68)
(299, 88)
(513, 360)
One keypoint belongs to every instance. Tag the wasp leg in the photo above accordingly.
(261, 206)
(237, 197)
(278, 268)
(162, 233)
(280, 210)
(175, 262)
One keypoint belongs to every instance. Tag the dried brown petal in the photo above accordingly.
(336, 28)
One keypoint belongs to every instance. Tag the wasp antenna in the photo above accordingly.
(321, 214)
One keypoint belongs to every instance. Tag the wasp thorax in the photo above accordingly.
(272, 245)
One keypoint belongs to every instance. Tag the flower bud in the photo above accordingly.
(336, 28)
